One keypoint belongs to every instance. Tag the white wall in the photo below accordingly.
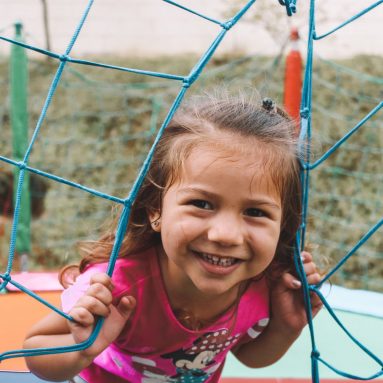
(151, 27)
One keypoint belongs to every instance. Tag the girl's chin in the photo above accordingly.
(214, 288)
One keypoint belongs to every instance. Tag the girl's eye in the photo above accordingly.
(201, 204)
(254, 212)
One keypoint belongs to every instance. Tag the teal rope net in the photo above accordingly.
(152, 108)
(115, 123)
(23, 166)
(307, 166)
(346, 189)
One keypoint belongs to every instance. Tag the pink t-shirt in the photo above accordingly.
(154, 346)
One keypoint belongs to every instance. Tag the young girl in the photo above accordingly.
(206, 266)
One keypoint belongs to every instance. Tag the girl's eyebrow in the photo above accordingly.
(270, 204)
(257, 202)
(193, 189)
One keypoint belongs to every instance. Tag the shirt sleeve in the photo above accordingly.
(72, 294)
(254, 331)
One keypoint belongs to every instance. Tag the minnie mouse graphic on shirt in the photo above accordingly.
(198, 362)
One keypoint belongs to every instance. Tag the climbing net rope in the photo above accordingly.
(186, 82)
(307, 167)
(346, 189)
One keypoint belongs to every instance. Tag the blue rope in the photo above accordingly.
(368, 9)
(305, 131)
(186, 83)
(23, 165)
(345, 137)
(66, 58)
(64, 181)
(8, 279)
(340, 324)
(194, 12)
(12, 243)
(291, 6)
(127, 202)
(306, 167)
(361, 242)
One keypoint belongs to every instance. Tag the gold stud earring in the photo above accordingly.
(155, 224)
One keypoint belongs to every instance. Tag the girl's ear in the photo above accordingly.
(68, 275)
(155, 220)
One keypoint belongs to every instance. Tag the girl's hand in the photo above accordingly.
(97, 301)
(287, 305)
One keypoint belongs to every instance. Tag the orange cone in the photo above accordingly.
(293, 78)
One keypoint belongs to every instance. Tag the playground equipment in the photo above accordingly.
(306, 121)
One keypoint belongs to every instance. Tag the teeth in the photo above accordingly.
(218, 261)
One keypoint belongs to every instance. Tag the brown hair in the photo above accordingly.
(202, 119)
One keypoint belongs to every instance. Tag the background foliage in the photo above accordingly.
(101, 124)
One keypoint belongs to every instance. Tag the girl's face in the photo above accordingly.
(220, 222)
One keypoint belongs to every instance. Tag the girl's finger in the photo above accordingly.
(309, 268)
(306, 257)
(290, 281)
(93, 305)
(103, 279)
(100, 292)
(82, 316)
(126, 306)
(316, 303)
(313, 279)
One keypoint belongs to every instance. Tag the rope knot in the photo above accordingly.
(290, 6)
(186, 82)
(313, 288)
(227, 25)
(304, 113)
(22, 165)
(6, 277)
(64, 58)
(315, 354)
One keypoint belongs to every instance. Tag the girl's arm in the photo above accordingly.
(55, 331)
(288, 318)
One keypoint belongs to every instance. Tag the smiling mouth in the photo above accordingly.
(218, 261)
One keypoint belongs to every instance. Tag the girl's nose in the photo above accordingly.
(226, 231)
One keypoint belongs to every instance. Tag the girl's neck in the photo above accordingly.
(184, 297)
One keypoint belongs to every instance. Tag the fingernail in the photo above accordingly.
(303, 257)
(297, 283)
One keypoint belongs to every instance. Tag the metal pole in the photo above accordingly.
(19, 124)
